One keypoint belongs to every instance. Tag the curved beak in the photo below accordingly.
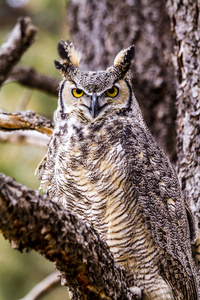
(95, 108)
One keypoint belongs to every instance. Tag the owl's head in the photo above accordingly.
(93, 96)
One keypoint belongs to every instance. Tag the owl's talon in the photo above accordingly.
(136, 292)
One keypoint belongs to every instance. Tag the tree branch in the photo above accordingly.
(16, 44)
(34, 138)
(46, 285)
(35, 222)
(30, 78)
(25, 120)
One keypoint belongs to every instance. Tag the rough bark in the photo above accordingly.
(33, 221)
(21, 37)
(25, 120)
(185, 20)
(102, 28)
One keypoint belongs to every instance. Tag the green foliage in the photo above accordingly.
(21, 272)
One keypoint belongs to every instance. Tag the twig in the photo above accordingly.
(16, 44)
(45, 286)
(25, 99)
(34, 138)
(30, 78)
(25, 120)
(84, 260)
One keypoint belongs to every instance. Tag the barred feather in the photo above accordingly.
(110, 171)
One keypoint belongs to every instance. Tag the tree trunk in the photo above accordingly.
(186, 28)
(102, 28)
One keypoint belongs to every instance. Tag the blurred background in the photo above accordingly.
(20, 273)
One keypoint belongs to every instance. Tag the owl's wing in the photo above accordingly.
(194, 233)
(192, 223)
(41, 167)
(42, 173)
(166, 215)
(45, 169)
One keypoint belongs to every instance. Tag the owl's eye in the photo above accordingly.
(113, 92)
(77, 93)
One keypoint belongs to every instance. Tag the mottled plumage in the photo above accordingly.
(104, 164)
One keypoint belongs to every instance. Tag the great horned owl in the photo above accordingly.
(104, 164)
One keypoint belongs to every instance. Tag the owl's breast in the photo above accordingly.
(90, 174)
(93, 176)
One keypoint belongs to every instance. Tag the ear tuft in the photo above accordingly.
(125, 56)
(123, 61)
(68, 53)
(58, 65)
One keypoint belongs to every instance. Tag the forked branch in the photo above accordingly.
(16, 44)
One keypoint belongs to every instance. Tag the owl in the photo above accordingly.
(103, 164)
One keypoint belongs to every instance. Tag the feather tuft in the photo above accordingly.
(68, 53)
(125, 56)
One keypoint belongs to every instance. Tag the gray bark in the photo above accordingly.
(102, 28)
(185, 21)
(30, 78)
(85, 262)
(16, 44)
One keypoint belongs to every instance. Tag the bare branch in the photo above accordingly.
(16, 44)
(25, 120)
(26, 137)
(83, 259)
(45, 286)
(25, 99)
(30, 78)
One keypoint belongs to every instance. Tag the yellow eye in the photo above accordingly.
(77, 93)
(113, 92)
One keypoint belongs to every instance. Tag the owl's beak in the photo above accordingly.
(95, 108)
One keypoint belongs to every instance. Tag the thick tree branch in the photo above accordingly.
(25, 120)
(16, 44)
(35, 222)
(30, 78)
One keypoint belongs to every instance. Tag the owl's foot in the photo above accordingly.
(136, 292)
